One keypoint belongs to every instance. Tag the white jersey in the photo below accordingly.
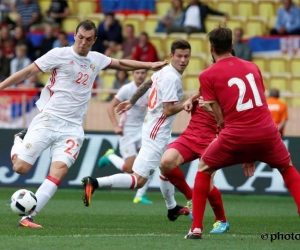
(166, 87)
(132, 120)
(68, 90)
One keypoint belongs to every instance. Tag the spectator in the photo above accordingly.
(29, 14)
(120, 80)
(20, 38)
(62, 40)
(194, 18)
(278, 109)
(288, 20)
(21, 61)
(57, 11)
(173, 18)
(48, 40)
(242, 49)
(4, 65)
(114, 50)
(129, 42)
(109, 30)
(145, 51)
(7, 43)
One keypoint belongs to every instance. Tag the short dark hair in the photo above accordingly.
(87, 25)
(220, 39)
(180, 44)
(274, 93)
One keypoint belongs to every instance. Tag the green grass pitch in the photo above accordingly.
(113, 222)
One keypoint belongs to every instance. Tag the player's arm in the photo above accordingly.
(125, 64)
(218, 113)
(20, 76)
(111, 114)
(188, 104)
(169, 108)
(141, 90)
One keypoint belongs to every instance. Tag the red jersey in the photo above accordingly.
(201, 123)
(147, 54)
(238, 87)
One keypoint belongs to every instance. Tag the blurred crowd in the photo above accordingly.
(21, 17)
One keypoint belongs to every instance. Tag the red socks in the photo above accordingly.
(216, 203)
(200, 194)
(291, 179)
(177, 178)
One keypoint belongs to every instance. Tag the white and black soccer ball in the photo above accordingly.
(23, 202)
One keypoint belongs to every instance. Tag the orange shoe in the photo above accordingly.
(89, 184)
(28, 222)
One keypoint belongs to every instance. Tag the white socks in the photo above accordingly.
(117, 161)
(43, 195)
(167, 189)
(118, 181)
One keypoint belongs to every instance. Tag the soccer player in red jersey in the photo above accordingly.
(234, 88)
(189, 146)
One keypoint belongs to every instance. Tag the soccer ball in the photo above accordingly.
(23, 202)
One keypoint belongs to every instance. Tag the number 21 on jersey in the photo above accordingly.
(241, 106)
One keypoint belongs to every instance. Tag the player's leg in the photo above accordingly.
(200, 194)
(66, 140)
(221, 224)
(143, 167)
(128, 151)
(278, 157)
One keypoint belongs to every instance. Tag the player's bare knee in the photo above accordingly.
(21, 168)
(127, 168)
(167, 164)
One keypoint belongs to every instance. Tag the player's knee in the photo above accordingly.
(127, 168)
(167, 164)
(21, 168)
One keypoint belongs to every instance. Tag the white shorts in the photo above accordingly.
(149, 157)
(64, 139)
(130, 145)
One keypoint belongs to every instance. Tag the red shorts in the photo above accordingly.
(222, 152)
(191, 147)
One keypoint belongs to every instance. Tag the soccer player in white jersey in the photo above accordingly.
(63, 104)
(164, 102)
(129, 130)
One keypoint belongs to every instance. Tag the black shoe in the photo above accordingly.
(177, 211)
(90, 184)
(21, 134)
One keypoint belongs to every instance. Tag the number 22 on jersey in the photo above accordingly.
(82, 78)
(241, 106)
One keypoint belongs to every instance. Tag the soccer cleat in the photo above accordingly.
(220, 227)
(196, 234)
(177, 211)
(90, 184)
(142, 200)
(103, 161)
(189, 204)
(21, 134)
(28, 222)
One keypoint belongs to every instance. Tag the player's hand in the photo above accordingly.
(118, 130)
(203, 105)
(123, 106)
(249, 169)
(188, 105)
(158, 65)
